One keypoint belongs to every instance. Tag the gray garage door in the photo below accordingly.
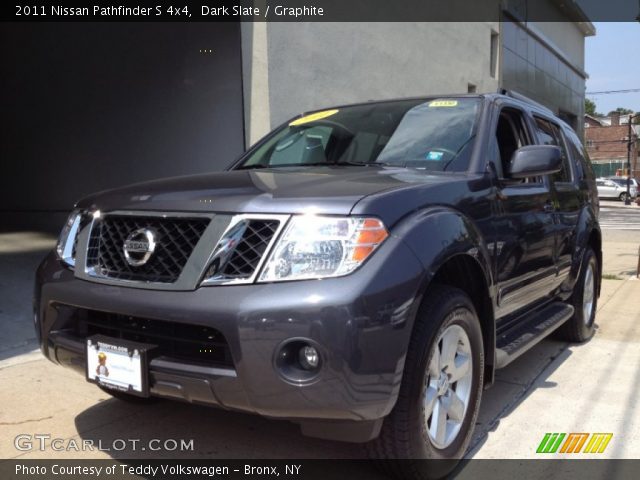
(92, 106)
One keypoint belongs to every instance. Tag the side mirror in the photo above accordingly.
(535, 161)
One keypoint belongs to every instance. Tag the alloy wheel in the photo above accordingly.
(588, 293)
(448, 386)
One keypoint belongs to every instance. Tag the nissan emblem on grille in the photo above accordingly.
(139, 246)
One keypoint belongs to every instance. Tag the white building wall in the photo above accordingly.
(315, 65)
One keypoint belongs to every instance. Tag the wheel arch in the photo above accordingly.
(588, 235)
(465, 272)
(453, 252)
(595, 242)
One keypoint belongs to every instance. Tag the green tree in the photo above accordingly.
(590, 107)
(621, 111)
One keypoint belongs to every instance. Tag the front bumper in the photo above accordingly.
(361, 324)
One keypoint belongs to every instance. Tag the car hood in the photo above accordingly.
(329, 190)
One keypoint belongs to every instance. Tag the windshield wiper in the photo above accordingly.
(360, 164)
(312, 164)
(251, 167)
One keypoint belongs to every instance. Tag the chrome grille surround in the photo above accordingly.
(208, 247)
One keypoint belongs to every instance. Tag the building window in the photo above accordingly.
(589, 143)
(493, 59)
(471, 88)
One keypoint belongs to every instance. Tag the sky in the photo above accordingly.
(613, 63)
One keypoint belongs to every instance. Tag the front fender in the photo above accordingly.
(437, 234)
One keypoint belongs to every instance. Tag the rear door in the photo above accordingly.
(567, 196)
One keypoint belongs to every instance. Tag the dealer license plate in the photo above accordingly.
(118, 364)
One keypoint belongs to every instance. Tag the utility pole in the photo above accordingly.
(627, 200)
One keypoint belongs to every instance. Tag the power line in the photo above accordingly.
(607, 92)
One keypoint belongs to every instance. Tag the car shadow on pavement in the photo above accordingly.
(514, 384)
(207, 432)
(159, 429)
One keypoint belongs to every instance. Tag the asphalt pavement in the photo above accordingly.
(615, 215)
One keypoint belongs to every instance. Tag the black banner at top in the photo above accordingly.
(323, 11)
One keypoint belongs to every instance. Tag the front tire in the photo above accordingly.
(441, 389)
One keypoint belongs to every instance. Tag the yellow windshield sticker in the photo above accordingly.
(313, 117)
(443, 103)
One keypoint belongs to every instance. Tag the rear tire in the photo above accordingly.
(581, 326)
(623, 197)
(441, 388)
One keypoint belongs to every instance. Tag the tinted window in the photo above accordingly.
(511, 134)
(549, 134)
(581, 156)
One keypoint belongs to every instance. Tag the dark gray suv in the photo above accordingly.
(362, 271)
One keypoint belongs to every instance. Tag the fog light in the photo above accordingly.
(298, 361)
(309, 358)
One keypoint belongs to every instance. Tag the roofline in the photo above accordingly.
(578, 15)
(596, 119)
(501, 93)
(399, 99)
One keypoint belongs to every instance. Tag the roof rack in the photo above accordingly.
(523, 98)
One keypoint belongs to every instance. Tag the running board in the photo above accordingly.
(514, 342)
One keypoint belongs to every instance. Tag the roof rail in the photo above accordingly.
(523, 98)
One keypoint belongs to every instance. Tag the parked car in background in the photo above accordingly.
(622, 181)
(616, 187)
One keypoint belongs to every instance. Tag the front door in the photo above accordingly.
(524, 227)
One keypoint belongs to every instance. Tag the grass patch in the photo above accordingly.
(610, 276)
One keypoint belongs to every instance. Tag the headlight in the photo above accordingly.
(67, 239)
(320, 247)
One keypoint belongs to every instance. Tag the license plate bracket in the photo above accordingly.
(118, 364)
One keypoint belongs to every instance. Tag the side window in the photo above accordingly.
(550, 134)
(511, 134)
(600, 183)
(580, 156)
(578, 160)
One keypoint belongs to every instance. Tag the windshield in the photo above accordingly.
(432, 134)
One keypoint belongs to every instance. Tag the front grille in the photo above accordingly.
(175, 240)
(180, 341)
(247, 254)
